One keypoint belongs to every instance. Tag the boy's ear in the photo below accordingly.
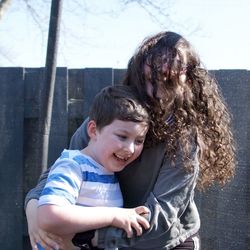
(91, 129)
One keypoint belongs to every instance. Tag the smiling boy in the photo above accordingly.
(117, 128)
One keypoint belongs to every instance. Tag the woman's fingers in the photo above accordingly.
(43, 246)
(33, 243)
(50, 241)
(46, 241)
(55, 237)
(34, 238)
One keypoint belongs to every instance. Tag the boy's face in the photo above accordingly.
(117, 144)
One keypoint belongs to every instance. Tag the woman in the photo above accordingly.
(189, 144)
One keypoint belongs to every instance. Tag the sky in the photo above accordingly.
(105, 33)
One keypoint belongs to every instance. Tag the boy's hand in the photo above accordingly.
(131, 218)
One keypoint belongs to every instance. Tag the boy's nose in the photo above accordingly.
(130, 147)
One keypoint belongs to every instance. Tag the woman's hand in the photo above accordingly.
(131, 218)
(47, 240)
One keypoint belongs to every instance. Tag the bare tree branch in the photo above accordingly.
(34, 14)
(155, 10)
(158, 10)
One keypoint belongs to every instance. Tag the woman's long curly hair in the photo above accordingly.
(193, 108)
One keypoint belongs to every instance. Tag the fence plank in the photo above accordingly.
(76, 97)
(119, 75)
(11, 157)
(32, 84)
(94, 80)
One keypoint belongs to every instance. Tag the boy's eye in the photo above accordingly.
(139, 141)
(123, 137)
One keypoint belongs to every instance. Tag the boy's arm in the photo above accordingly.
(70, 219)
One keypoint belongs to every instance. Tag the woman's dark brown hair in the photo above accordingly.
(194, 109)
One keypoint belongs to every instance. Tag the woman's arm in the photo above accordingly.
(78, 141)
(35, 193)
(38, 235)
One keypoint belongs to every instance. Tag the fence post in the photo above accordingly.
(50, 75)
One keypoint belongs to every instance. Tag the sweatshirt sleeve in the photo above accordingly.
(172, 210)
(35, 192)
(79, 140)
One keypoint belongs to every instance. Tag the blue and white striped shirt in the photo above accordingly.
(76, 178)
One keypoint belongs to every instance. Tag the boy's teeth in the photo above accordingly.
(121, 157)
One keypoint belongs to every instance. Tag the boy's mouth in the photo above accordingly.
(121, 157)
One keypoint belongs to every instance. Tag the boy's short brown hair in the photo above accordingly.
(117, 102)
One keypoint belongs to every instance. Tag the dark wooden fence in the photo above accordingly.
(224, 213)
